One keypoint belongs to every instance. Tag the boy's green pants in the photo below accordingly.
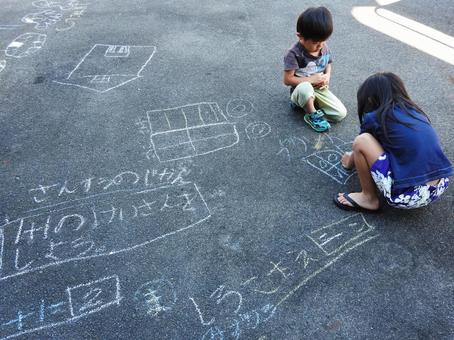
(335, 111)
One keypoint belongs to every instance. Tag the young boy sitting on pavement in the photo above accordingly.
(308, 65)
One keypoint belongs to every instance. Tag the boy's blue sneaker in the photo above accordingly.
(317, 121)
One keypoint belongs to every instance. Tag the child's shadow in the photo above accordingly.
(297, 113)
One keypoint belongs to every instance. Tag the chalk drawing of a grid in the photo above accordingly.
(329, 162)
(190, 130)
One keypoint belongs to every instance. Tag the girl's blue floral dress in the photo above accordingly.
(408, 198)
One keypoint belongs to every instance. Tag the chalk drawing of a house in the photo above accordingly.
(106, 67)
(190, 130)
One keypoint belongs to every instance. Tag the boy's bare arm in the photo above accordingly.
(290, 79)
(327, 72)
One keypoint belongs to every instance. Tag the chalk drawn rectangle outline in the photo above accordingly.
(106, 54)
(89, 284)
(76, 317)
(359, 235)
(213, 105)
(120, 251)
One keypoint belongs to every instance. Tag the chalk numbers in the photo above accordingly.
(89, 297)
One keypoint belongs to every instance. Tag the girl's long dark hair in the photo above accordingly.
(382, 93)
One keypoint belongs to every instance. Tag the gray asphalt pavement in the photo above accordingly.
(156, 184)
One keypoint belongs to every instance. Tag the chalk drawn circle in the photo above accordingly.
(333, 157)
(323, 164)
(257, 130)
(156, 297)
(237, 108)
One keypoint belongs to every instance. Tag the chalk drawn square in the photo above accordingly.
(106, 67)
(114, 51)
(189, 131)
(90, 297)
(336, 236)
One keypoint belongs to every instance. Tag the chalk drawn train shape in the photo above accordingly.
(190, 130)
(121, 222)
(329, 163)
(106, 67)
(25, 45)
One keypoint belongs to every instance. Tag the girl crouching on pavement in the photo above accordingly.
(397, 151)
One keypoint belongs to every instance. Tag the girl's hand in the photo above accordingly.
(348, 162)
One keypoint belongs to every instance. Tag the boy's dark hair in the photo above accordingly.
(382, 93)
(315, 23)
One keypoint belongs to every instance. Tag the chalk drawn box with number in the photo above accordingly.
(92, 296)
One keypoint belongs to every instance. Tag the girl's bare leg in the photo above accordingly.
(366, 150)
